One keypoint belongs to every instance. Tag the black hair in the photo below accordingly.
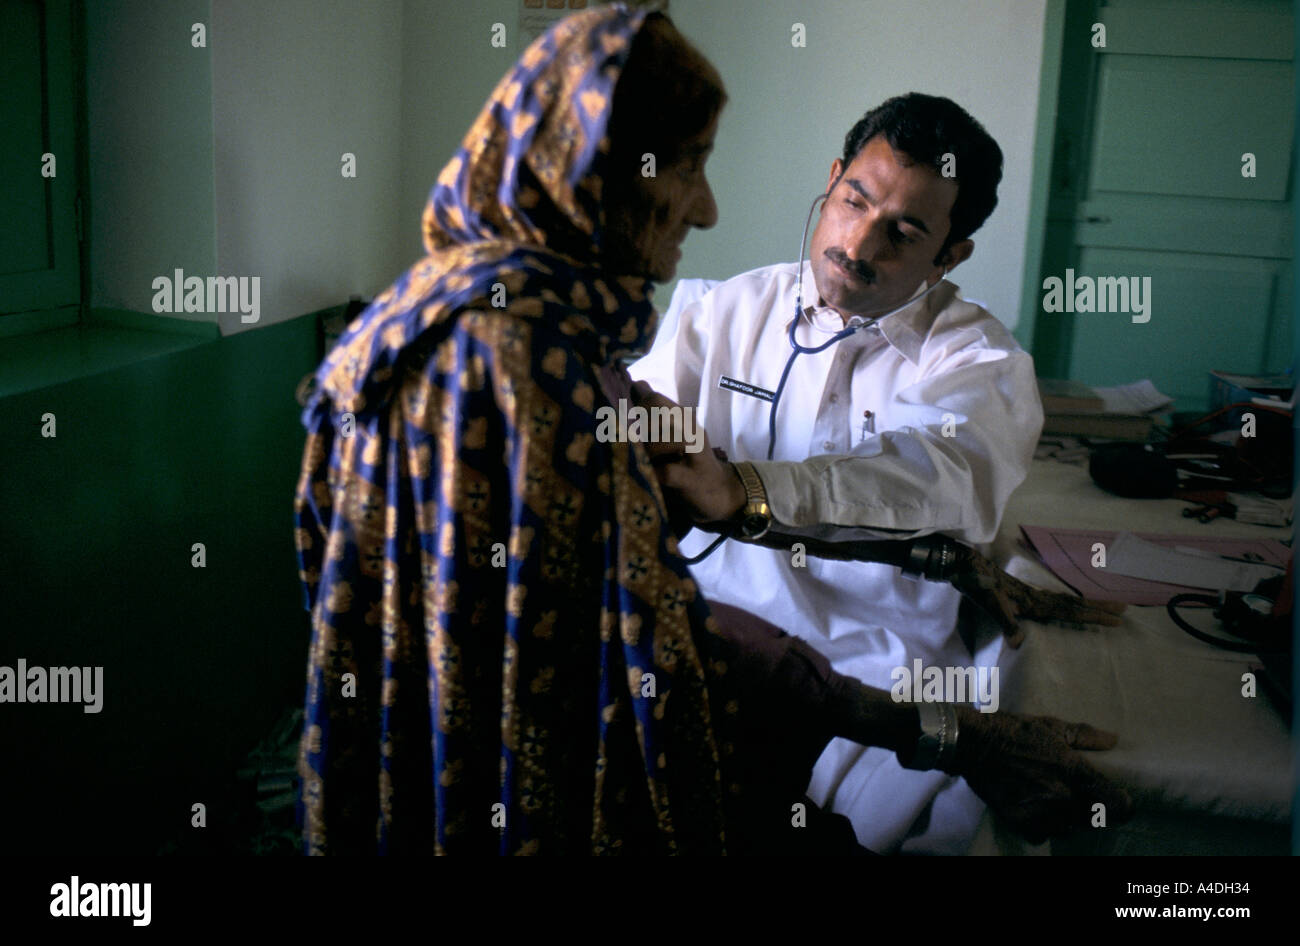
(926, 128)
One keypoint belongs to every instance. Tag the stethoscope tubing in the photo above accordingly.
(797, 349)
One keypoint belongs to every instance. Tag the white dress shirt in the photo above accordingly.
(951, 415)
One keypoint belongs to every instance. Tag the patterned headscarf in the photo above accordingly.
(507, 653)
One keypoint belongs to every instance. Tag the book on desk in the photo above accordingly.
(1124, 412)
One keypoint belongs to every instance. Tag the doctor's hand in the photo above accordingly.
(1029, 771)
(1009, 600)
(690, 470)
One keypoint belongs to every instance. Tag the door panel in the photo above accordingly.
(1199, 307)
(1179, 126)
(39, 251)
(1147, 181)
(1244, 29)
(24, 194)
(1161, 222)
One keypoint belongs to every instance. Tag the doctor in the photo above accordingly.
(923, 421)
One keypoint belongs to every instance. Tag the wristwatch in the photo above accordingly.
(938, 743)
(755, 515)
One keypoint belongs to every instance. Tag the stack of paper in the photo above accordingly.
(1124, 412)
(1260, 510)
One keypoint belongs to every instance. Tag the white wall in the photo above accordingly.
(790, 108)
(449, 68)
(149, 126)
(295, 85)
(788, 112)
(230, 165)
(225, 160)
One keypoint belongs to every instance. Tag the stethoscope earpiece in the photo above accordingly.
(797, 349)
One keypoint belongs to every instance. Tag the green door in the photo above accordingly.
(39, 252)
(1171, 160)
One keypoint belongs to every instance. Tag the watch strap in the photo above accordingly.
(756, 515)
(749, 478)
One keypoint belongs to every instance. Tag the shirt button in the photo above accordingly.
(829, 444)
(834, 398)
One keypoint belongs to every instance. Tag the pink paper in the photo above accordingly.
(1068, 553)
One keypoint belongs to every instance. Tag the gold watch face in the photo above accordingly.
(756, 520)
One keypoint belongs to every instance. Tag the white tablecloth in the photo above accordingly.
(1192, 750)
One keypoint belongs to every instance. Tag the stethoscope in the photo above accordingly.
(855, 323)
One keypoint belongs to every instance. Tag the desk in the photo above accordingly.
(1210, 770)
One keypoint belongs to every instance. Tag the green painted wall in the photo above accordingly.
(199, 445)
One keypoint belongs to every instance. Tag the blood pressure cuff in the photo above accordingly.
(1134, 470)
(1258, 458)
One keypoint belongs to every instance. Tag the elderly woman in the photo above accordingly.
(508, 654)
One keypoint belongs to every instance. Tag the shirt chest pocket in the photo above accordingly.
(867, 416)
(844, 422)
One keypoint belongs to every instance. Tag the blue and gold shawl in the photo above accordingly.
(507, 653)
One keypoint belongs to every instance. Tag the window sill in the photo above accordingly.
(107, 339)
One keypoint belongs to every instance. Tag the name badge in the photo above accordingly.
(744, 387)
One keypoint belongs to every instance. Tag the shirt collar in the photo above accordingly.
(905, 330)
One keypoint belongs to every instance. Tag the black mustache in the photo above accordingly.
(858, 268)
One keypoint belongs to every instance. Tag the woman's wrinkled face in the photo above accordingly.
(648, 216)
